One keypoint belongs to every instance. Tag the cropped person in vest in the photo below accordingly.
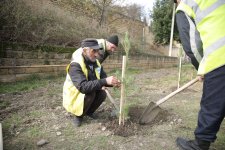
(107, 46)
(82, 90)
(202, 22)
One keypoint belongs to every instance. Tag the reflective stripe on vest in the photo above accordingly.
(73, 99)
(102, 43)
(189, 6)
(194, 35)
(210, 21)
(202, 14)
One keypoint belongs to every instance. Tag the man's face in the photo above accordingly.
(110, 47)
(92, 54)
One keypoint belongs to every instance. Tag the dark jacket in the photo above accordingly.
(103, 56)
(79, 79)
(190, 38)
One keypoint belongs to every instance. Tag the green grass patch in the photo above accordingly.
(31, 83)
(9, 123)
(36, 114)
(4, 104)
(33, 132)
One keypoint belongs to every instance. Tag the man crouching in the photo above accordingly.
(82, 90)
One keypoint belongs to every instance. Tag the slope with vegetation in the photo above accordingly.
(65, 23)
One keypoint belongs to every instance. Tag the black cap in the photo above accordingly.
(113, 39)
(90, 42)
(175, 1)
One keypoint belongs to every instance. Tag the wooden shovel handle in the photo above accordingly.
(177, 91)
(111, 99)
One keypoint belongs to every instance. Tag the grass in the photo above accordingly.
(36, 114)
(15, 119)
(4, 104)
(29, 84)
(33, 132)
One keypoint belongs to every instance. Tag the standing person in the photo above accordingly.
(82, 90)
(107, 46)
(208, 18)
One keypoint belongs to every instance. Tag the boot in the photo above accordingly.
(77, 121)
(196, 144)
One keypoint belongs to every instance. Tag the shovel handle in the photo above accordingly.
(111, 99)
(177, 91)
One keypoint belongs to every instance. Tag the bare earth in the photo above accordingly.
(39, 115)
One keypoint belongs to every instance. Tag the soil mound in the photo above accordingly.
(131, 126)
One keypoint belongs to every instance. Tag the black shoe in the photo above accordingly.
(192, 144)
(77, 121)
(92, 116)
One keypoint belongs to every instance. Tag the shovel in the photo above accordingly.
(153, 109)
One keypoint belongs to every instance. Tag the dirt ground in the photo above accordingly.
(37, 120)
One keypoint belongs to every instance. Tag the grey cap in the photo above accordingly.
(91, 43)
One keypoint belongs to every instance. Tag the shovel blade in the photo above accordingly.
(149, 114)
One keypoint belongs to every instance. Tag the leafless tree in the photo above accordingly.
(134, 11)
(103, 7)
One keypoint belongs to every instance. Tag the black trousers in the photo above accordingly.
(212, 104)
(92, 101)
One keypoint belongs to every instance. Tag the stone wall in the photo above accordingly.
(24, 57)
(17, 64)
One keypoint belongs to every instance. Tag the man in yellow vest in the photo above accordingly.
(82, 90)
(205, 20)
(107, 46)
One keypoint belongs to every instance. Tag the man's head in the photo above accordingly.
(90, 49)
(112, 43)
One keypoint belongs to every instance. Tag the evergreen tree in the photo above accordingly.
(161, 21)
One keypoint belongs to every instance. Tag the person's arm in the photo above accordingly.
(103, 73)
(190, 38)
(103, 54)
(106, 54)
(81, 83)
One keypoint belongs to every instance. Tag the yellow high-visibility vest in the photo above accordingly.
(102, 44)
(73, 99)
(209, 17)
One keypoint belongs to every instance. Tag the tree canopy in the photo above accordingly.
(161, 21)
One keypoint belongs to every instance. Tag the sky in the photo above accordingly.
(147, 4)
